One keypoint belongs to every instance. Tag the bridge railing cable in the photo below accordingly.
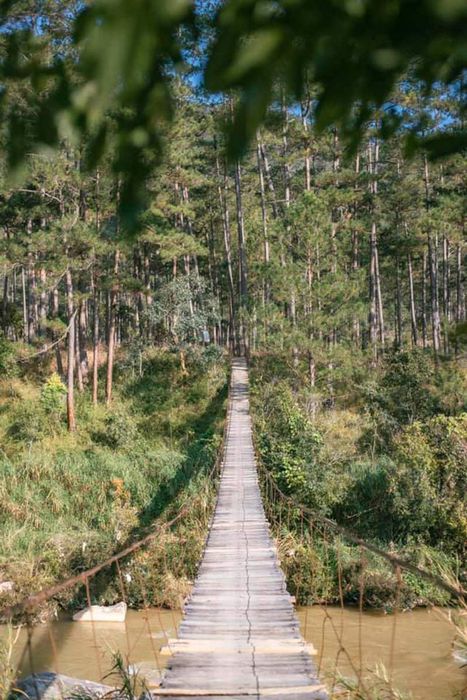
(394, 560)
(311, 550)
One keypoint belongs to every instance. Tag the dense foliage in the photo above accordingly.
(339, 271)
(68, 502)
(389, 464)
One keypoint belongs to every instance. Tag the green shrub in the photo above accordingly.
(120, 430)
(429, 482)
(53, 396)
(202, 358)
(8, 361)
(29, 423)
(410, 388)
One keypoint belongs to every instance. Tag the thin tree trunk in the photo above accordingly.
(400, 341)
(460, 300)
(372, 317)
(242, 262)
(5, 303)
(413, 315)
(82, 335)
(433, 269)
(55, 313)
(222, 193)
(112, 328)
(243, 287)
(435, 316)
(95, 305)
(446, 280)
(307, 155)
(32, 308)
(270, 182)
(42, 300)
(379, 296)
(264, 217)
(25, 305)
(424, 303)
(70, 404)
(79, 375)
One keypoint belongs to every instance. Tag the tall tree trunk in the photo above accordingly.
(307, 151)
(399, 336)
(376, 317)
(435, 316)
(112, 328)
(269, 181)
(446, 281)
(424, 303)
(222, 193)
(5, 302)
(242, 262)
(32, 302)
(460, 299)
(292, 307)
(413, 315)
(372, 315)
(382, 337)
(446, 295)
(355, 259)
(55, 313)
(70, 404)
(82, 336)
(25, 305)
(433, 269)
(42, 300)
(264, 217)
(79, 375)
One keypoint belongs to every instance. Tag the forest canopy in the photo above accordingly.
(74, 64)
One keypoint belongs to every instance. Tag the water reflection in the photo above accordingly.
(422, 661)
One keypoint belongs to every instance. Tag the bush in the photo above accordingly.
(203, 358)
(429, 482)
(411, 388)
(53, 396)
(292, 449)
(418, 493)
(29, 423)
(120, 430)
(8, 363)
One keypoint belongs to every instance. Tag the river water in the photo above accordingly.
(422, 662)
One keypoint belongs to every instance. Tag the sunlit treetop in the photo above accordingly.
(103, 72)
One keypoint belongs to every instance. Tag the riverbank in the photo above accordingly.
(380, 451)
(69, 501)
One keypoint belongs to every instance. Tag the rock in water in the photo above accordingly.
(102, 613)
(53, 686)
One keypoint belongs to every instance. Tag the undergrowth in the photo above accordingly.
(69, 501)
(382, 452)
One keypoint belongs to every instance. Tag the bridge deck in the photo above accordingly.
(240, 636)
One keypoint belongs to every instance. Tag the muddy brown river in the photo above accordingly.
(422, 663)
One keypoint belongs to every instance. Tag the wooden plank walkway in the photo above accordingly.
(240, 636)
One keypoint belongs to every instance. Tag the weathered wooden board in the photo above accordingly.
(240, 636)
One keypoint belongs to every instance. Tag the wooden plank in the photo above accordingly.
(240, 635)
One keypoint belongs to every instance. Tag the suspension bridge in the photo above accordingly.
(240, 635)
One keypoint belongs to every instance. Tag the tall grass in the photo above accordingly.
(66, 502)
